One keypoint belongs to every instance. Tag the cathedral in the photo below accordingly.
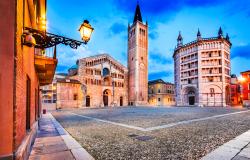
(100, 80)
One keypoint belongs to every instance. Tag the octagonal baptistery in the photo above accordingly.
(202, 71)
(104, 81)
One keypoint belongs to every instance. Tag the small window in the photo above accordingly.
(132, 58)
(159, 91)
(211, 92)
(75, 97)
(141, 58)
(210, 71)
(159, 99)
(211, 79)
(248, 86)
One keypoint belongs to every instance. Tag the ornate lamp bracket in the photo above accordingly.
(45, 40)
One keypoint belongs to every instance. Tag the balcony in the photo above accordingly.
(45, 64)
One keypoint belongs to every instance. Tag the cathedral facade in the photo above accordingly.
(106, 82)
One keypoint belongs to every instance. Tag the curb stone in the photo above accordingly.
(76, 149)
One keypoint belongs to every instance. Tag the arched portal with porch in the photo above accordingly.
(190, 96)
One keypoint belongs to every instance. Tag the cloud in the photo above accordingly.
(153, 35)
(117, 28)
(67, 57)
(157, 7)
(159, 57)
(241, 51)
(236, 68)
(160, 66)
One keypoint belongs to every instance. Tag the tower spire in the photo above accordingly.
(179, 40)
(137, 16)
(220, 33)
(227, 37)
(198, 34)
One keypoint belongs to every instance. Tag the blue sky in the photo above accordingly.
(166, 18)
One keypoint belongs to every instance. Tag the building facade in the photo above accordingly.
(68, 93)
(161, 93)
(245, 85)
(23, 70)
(202, 71)
(104, 81)
(235, 91)
(138, 60)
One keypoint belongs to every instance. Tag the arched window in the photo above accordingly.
(105, 71)
(211, 92)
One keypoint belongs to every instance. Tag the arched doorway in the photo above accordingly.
(191, 97)
(87, 101)
(106, 97)
(121, 101)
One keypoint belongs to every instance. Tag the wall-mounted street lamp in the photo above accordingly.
(42, 39)
(86, 31)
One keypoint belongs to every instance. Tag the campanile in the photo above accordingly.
(138, 60)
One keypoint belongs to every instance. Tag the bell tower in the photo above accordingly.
(138, 60)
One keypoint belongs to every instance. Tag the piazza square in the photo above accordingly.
(124, 80)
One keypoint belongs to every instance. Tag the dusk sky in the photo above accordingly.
(165, 18)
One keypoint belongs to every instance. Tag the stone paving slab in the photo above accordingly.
(245, 152)
(65, 155)
(54, 143)
(236, 149)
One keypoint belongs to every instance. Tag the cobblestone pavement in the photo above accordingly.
(149, 117)
(191, 140)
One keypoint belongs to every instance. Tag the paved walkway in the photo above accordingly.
(236, 149)
(55, 143)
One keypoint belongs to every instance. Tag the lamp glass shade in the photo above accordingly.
(86, 31)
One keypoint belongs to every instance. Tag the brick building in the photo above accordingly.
(202, 71)
(245, 85)
(235, 91)
(138, 60)
(69, 93)
(23, 70)
(161, 93)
